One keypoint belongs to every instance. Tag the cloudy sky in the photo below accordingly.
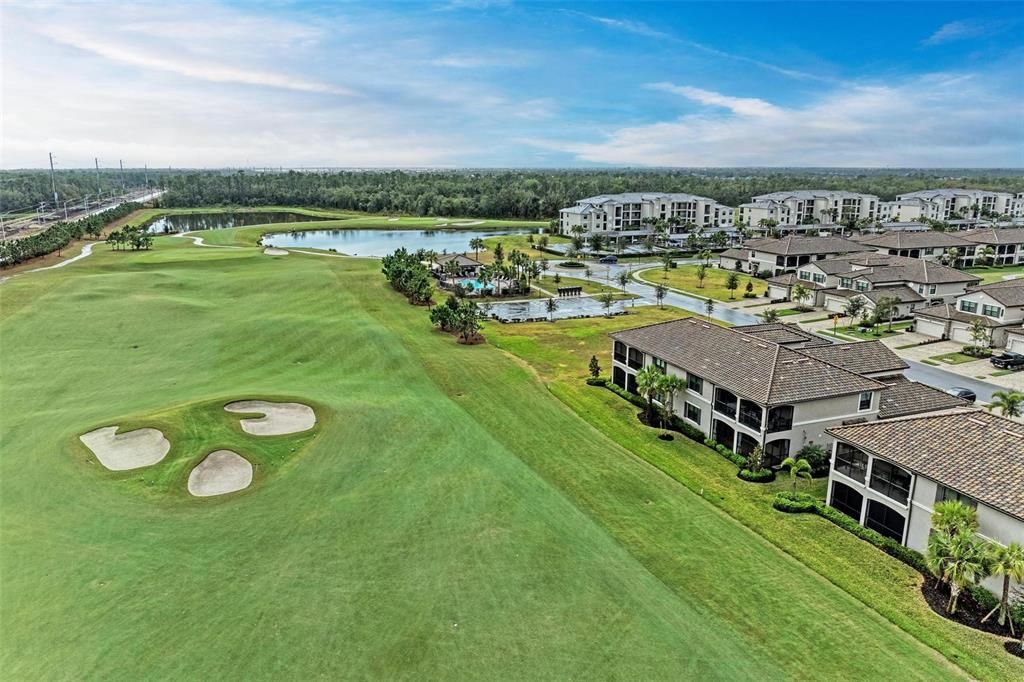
(510, 83)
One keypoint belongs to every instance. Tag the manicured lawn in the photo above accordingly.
(519, 242)
(588, 286)
(881, 331)
(684, 278)
(994, 274)
(452, 517)
(954, 358)
(789, 311)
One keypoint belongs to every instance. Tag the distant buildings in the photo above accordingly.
(947, 204)
(777, 256)
(629, 218)
(806, 206)
(998, 306)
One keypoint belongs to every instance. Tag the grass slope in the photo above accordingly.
(449, 519)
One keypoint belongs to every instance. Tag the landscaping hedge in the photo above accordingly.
(795, 503)
(761, 476)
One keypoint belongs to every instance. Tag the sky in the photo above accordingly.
(509, 83)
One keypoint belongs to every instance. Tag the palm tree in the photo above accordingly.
(648, 383)
(952, 517)
(951, 256)
(769, 316)
(886, 307)
(551, 305)
(1008, 562)
(966, 564)
(702, 273)
(709, 307)
(476, 244)
(799, 294)
(798, 468)
(987, 254)
(660, 290)
(670, 385)
(1008, 402)
(707, 255)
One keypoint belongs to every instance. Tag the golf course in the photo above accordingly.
(451, 512)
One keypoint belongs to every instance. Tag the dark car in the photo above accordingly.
(1008, 361)
(609, 260)
(963, 393)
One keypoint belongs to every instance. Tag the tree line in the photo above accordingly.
(26, 189)
(534, 194)
(59, 235)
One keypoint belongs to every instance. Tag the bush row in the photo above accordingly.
(795, 503)
(759, 476)
(59, 235)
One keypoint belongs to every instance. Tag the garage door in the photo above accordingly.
(929, 328)
(960, 334)
(1015, 344)
(835, 304)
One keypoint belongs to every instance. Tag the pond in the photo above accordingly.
(188, 222)
(383, 242)
(535, 310)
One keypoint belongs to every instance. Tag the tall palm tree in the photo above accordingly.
(476, 244)
(799, 294)
(769, 316)
(648, 383)
(966, 564)
(670, 385)
(986, 254)
(1008, 402)
(798, 468)
(952, 517)
(1008, 562)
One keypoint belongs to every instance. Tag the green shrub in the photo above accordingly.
(908, 556)
(572, 264)
(597, 381)
(983, 597)
(817, 457)
(760, 476)
(795, 503)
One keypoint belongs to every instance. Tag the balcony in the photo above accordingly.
(726, 408)
(619, 357)
(780, 418)
(635, 359)
(751, 415)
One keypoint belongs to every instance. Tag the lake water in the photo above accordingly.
(188, 222)
(535, 310)
(383, 242)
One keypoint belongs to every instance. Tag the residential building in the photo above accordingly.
(999, 306)
(1015, 340)
(946, 204)
(806, 207)
(467, 267)
(777, 256)
(627, 218)
(745, 391)
(888, 475)
(931, 245)
(1006, 244)
(913, 282)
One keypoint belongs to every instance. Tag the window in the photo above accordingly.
(805, 276)
(751, 414)
(694, 383)
(851, 462)
(920, 289)
(780, 418)
(725, 402)
(692, 413)
(884, 520)
(620, 352)
(847, 500)
(619, 377)
(944, 494)
(969, 306)
(932, 289)
(660, 364)
(819, 278)
(864, 403)
(991, 311)
(636, 359)
(890, 480)
(861, 285)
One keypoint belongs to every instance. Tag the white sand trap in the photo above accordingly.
(271, 251)
(223, 471)
(470, 224)
(392, 220)
(131, 450)
(278, 419)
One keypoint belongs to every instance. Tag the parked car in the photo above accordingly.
(609, 260)
(1008, 361)
(964, 393)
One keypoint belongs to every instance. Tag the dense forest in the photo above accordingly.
(58, 235)
(532, 194)
(24, 190)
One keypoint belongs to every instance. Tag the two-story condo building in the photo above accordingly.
(786, 254)
(999, 306)
(1006, 243)
(744, 391)
(945, 204)
(625, 218)
(809, 206)
(913, 282)
(929, 245)
(888, 475)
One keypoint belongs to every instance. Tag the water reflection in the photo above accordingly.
(189, 222)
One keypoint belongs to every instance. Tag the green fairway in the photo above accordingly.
(684, 278)
(450, 517)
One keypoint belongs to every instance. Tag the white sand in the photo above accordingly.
(131, 450)
(278, 419)
(392, 220)
(271, 251)
(475, 222)
(223, 471)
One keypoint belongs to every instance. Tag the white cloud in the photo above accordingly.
(939, 120)
(962, 30)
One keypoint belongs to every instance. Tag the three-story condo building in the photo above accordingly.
(627, 218)
(809, 206)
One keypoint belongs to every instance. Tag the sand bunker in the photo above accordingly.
(278, 419)
(392, 220)
(271, 251)
(475, 222)
(223, 471)
(131, 450)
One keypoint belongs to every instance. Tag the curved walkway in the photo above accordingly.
(199, 241)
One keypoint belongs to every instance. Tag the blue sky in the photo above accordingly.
(508, 83)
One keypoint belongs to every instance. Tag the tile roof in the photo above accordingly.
(950, 193)
(948, 311)
(740, 254)
(793, 245)
(972, 451)
(914, 270)
(901, 294)
(758, 370)
(788, 279)
(914, 240)
(640, 197)
(460, 258)
(904, 398)
(783, 334)
(1002, 235)
(1009, 292)
(863, 357)
(805, 194)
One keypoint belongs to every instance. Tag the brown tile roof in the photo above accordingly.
(915, 240)
(917, 271)
(782, 334)
(901, 294)
(793, 245)
(758, 370)
(739, 254)
(1003, 235)
(948, 311)
(1009, 292)
(863, 357)
(972, 451)
(459, 258)
(904, 398)
(788, 279)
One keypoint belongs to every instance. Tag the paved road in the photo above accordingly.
(926, 374)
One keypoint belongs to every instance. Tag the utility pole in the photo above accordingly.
(99, 190)
(122, 176)
(146, 170)
(53, 183)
